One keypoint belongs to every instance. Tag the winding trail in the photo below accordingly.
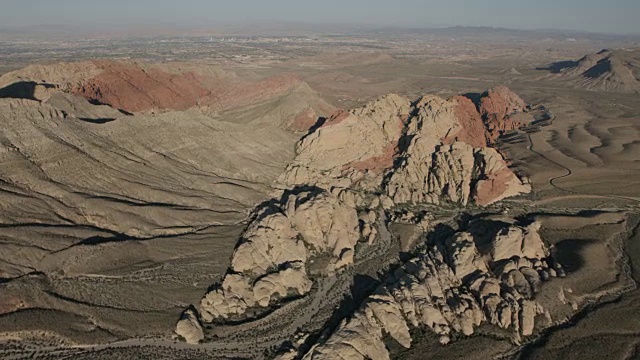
(552, 179)
(569, 172)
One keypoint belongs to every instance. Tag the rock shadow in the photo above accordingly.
(22, 90)
(98, 102)
(475, 97)
(559, 66)
(97, 240)
(361, 288)
(97, 120)
(602, 67)
(569, 253)
(484, 232)
(439, 234)
(318, 124)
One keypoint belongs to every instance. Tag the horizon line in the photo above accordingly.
(220, 26)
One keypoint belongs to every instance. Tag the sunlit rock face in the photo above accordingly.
(451, 287)
(270, 262)
(434, 150)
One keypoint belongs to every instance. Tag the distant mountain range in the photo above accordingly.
(287, 29)
(609, 70)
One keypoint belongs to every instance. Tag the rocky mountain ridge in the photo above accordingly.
(138, 87)
(473, 277)
(432, 150)
(608, 70)
(387, 153)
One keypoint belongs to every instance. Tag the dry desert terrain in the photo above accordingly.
(461, 193)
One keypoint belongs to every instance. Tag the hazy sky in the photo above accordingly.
(617, 16)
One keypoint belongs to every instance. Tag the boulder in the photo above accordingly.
(189, 327)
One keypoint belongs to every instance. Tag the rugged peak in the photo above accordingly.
(390, 104)
(351, 145)
(385, 153)
(500, 102)
(434, 150)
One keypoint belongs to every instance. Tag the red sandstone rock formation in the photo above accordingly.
(487, 190)
(141, 87)
(496, 106)
(304, 120)
(337, 117)
(472, 131)
(129, 87)
(132, 87)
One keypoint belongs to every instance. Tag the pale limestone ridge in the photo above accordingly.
(451, 287)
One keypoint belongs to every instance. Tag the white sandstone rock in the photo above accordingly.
(350, 146)
(269, 264)
(449, 287)
(189, 327)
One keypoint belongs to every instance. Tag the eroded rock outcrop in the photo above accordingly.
(497, 107)
(436, 173)
(474, 277)
(385, 153)
(435, 150)
(273, 259)
(441, 164)
(468, 126)
(189, 327)
(350, 146)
